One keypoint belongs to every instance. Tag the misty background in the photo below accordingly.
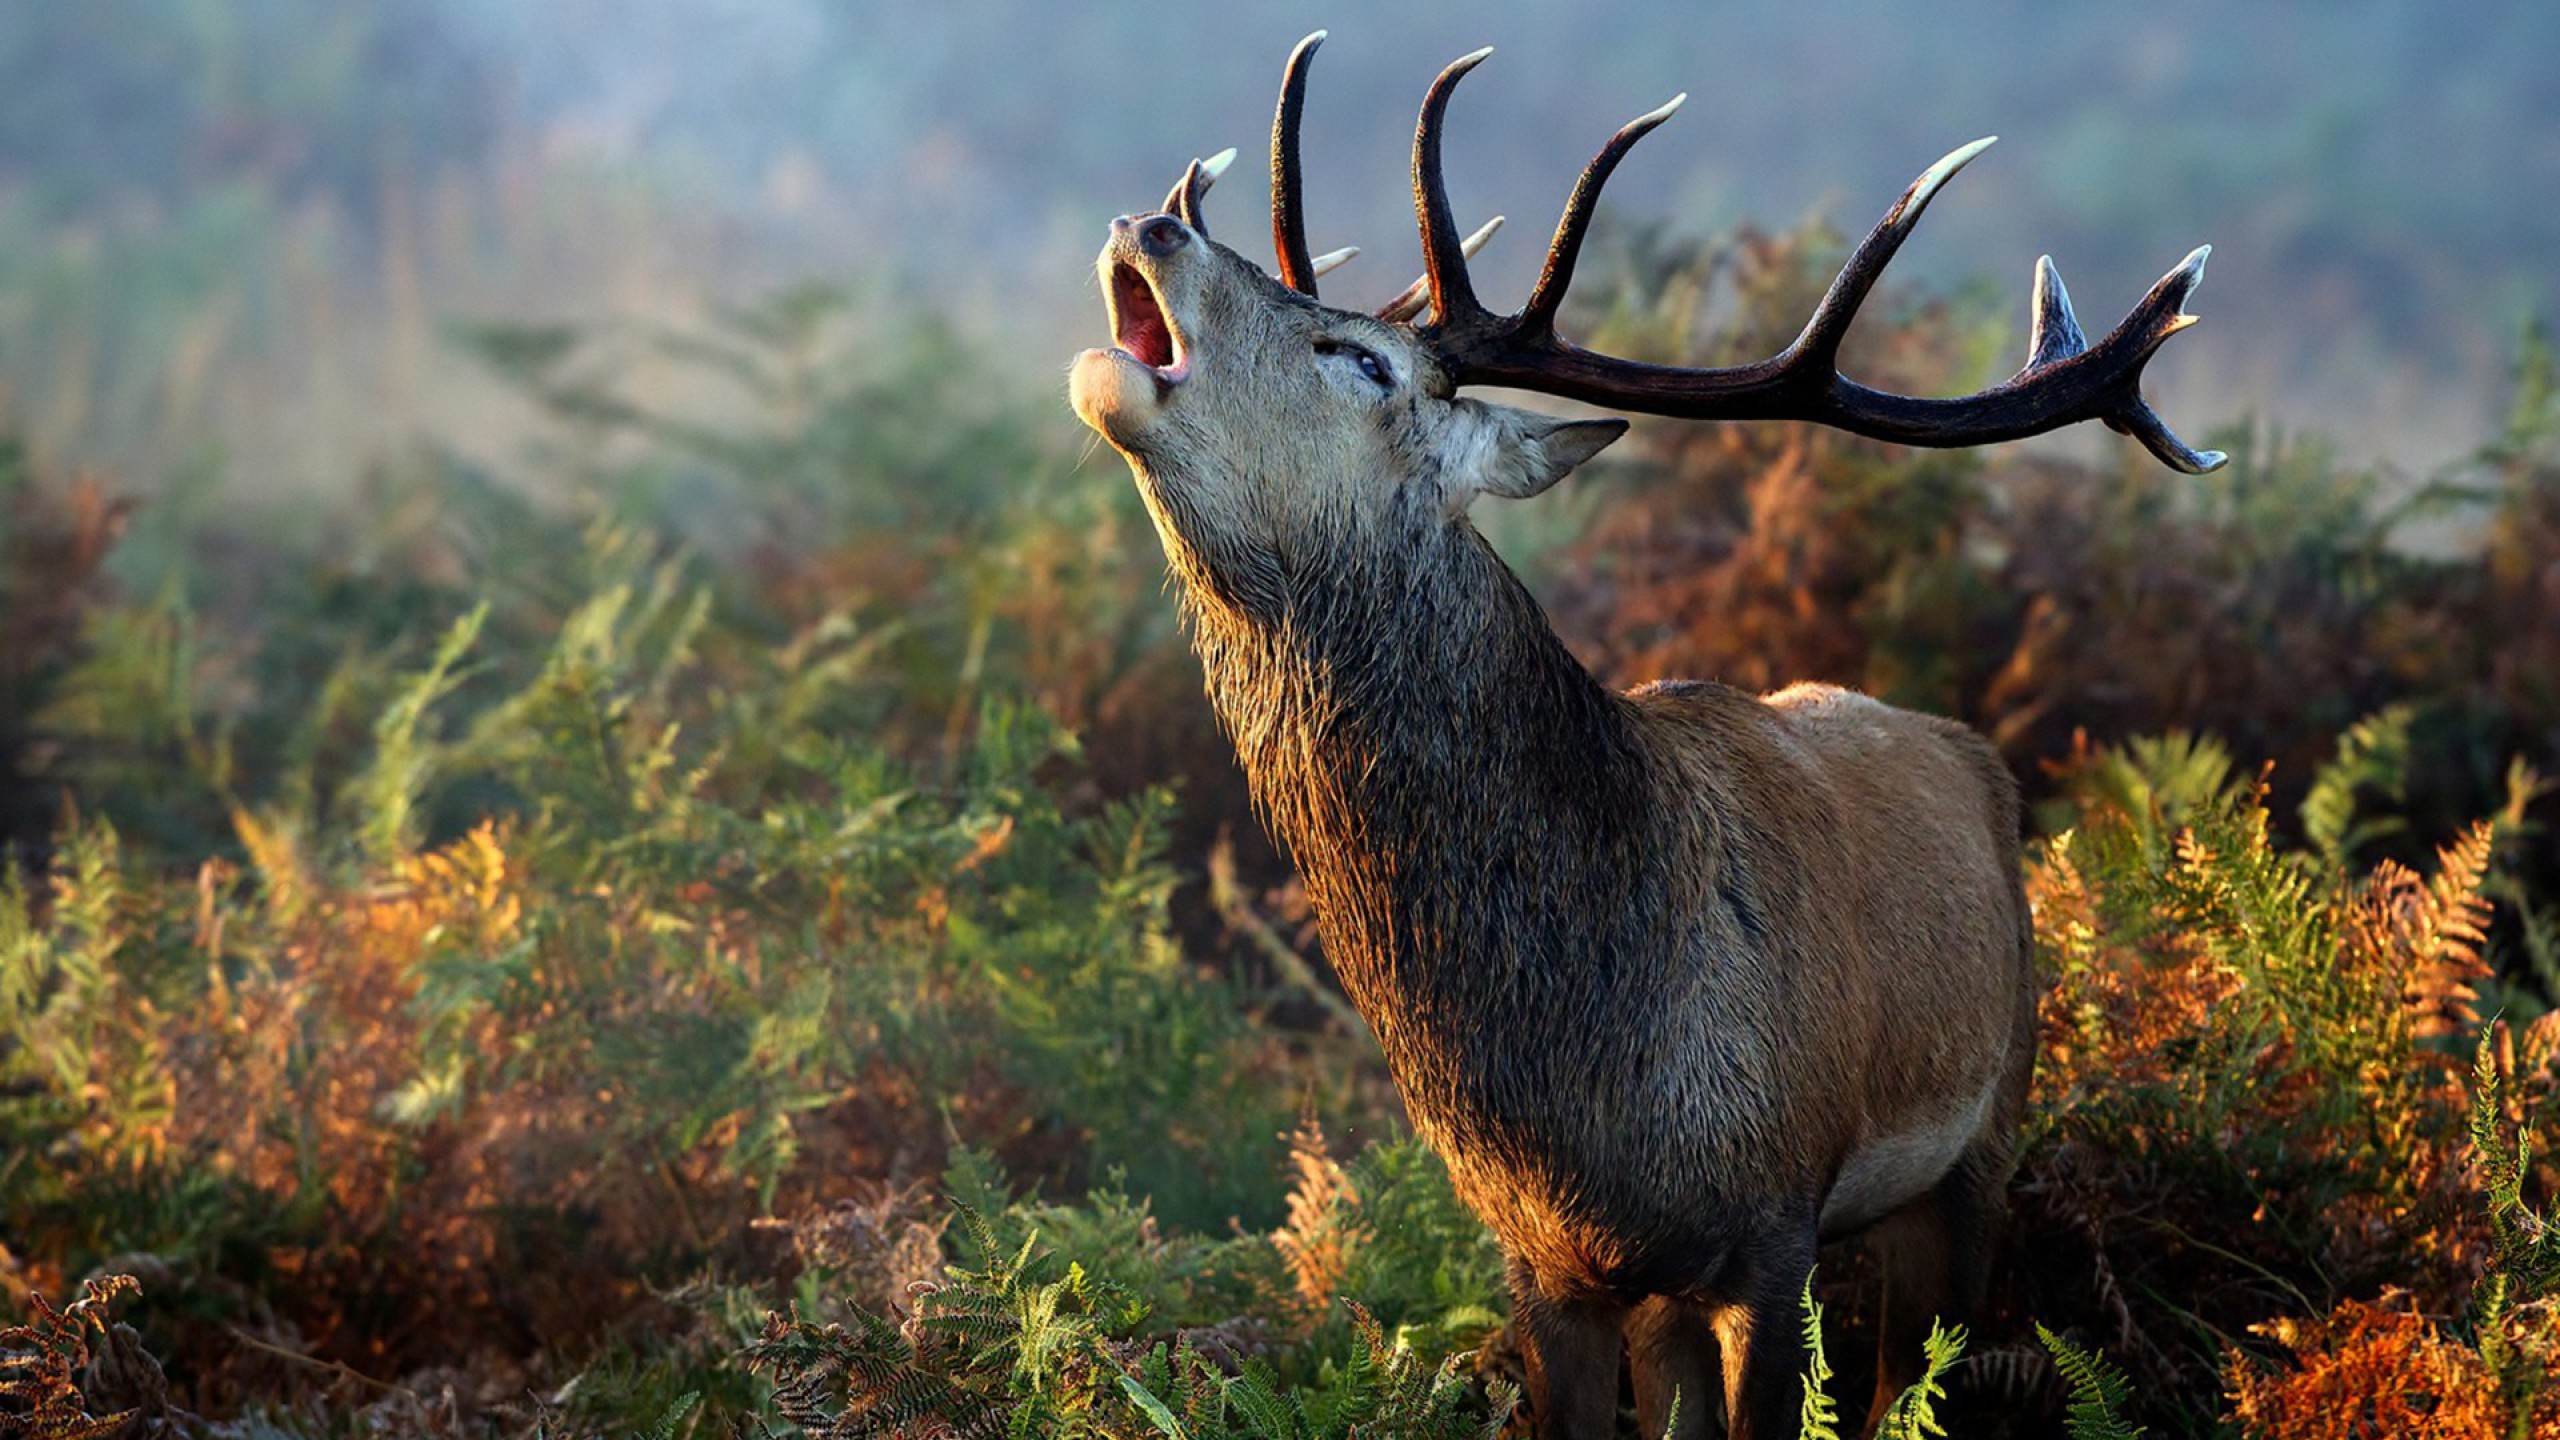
(237, 236)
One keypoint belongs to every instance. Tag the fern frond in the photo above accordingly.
(39, 1390)
(1912, 1415)
(1157, 1412)
(2098, 1391)
(665, 1426)
(1821, 1415)
(1270, 1414)
(387, 794)
(2525, 1245)
(2372, 755)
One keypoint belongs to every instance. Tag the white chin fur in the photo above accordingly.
(1113, 393)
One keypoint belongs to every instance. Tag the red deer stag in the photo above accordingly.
(1681, 981)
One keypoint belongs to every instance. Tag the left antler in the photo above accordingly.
(2065, 380)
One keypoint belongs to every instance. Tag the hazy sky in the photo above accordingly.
(2377, 178)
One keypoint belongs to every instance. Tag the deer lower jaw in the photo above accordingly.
(1119, 394)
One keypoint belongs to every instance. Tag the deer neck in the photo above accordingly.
(1450, 780)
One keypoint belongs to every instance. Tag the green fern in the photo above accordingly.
(2524, 1257)
(1821, 1414)
(672, 1418)
(2372, 756)
(2525, 1247)
(1267, 1410)
(1157, 1412)
(2156, 783)
(999, 1351)
(1912, 1415)
(387, 795)
(2099, 1392)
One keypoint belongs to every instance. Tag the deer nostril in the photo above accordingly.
(1162, 236)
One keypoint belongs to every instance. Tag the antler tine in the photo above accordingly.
(2054, 329)
(2057, 338)
(1819, 345)
(1416, 297)
(1538, 319)
(1331, 260)
(1444, 263)
(2161, 314)
(1288, 215)
(1182, 202)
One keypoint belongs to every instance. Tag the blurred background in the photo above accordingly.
(234, 234)
(586, 744)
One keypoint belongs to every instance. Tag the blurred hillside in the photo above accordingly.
(231, 235)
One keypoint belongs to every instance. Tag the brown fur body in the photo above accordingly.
(1679, 981)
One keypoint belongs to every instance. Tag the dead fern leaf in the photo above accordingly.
(1317, 1238)
(40, 1363)
(2379, 1369)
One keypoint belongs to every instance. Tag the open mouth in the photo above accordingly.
(1139, 327)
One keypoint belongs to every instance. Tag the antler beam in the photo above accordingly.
(1288, 197)
(2065, 380)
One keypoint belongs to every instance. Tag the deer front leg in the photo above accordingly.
(1761, 1333)
(1572, 1349)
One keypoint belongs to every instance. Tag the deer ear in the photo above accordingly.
(1521, 452)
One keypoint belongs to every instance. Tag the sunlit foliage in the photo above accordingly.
(720, 941)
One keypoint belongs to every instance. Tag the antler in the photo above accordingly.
(2065, 380)
(1183, 201)
(1288, 218)
(1298, 270)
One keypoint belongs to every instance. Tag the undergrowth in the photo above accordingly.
(701, 932)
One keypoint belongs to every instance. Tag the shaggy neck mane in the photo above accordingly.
(1452, 783)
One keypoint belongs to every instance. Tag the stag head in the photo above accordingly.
(1267, 429)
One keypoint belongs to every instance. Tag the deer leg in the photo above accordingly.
(1572, 1349)
(1936, 1257)
(1761, 1333)
(1671, 1347)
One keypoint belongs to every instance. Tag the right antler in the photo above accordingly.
(2065, 380)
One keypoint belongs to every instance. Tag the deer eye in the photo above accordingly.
(1373, 369)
